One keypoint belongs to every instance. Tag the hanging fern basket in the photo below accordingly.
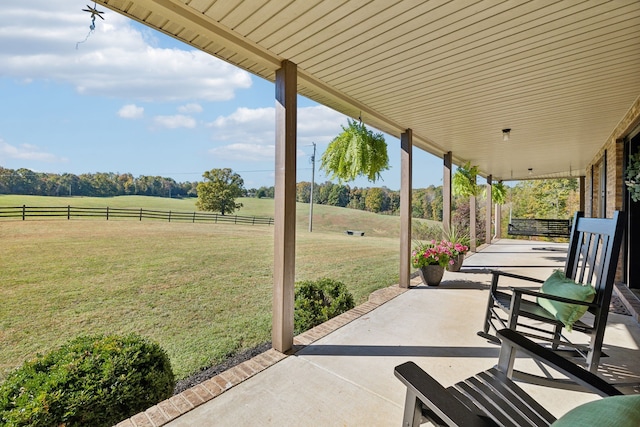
(464, 181)
(355, 152)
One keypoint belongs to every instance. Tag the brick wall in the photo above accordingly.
(614, 149)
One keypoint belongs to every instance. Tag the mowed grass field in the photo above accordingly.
(203, 291)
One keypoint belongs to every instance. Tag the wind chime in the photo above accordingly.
(94, 12)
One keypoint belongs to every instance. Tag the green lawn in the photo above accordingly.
(203, 291)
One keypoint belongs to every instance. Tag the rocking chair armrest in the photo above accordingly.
(581, 376)
(497, 273)
(436, 398)
(552, 297)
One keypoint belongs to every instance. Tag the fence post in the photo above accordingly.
(140, 214)
(235, 219)
(24, 211)
(194, 217)
(68, 212)
(216, 217)
(169, 216)
(254, 221)
(107, 213)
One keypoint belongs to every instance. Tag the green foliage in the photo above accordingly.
(547, 198)
(499, 193)
(375, 200)
(101, 184)
(356, 152)
(464, 181)
(425, 231)
(219, 191)
(318, 301)
(90, 381)
(455, 235)
(632, 176)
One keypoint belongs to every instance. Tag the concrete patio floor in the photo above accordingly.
(345, 378)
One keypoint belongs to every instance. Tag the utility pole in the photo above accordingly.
(313, 175)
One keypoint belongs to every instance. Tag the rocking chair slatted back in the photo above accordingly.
(592, 259)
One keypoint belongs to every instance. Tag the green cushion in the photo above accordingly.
(618, 411)
(559, 285)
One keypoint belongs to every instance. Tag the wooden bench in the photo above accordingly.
(354, 233)
(540, 227)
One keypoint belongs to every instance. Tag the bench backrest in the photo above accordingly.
(540, 227)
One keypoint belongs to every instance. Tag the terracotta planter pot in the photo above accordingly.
(431, 275)
(457, 263)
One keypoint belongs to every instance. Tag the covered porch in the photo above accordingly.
(341, 373)
(451, 78)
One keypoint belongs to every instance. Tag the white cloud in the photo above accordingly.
(38, 40)
(249, 134)
(190, 108)
(131, 111)
(174, 122)
(27, 152)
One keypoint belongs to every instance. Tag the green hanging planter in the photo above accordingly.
(464, 181)
(499, 193)
(355, 152)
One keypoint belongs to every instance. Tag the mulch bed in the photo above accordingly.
(212, 371)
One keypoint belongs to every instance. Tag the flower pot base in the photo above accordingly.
(431, 275)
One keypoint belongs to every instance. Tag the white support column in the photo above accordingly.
(446, 191)
(472, 224)
(406, 176)
(489, 213)
(285, 208)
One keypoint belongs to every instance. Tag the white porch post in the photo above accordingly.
(406, 174)
(446, 191)
(489, 213)
(285, 208)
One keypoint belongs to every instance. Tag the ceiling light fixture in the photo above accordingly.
(530, 171)
(506, 133)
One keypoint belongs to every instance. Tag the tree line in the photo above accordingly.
(101, 184)
(553, 198)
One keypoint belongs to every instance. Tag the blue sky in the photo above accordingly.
(129, 99)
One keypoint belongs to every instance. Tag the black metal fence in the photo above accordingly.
(69, 212)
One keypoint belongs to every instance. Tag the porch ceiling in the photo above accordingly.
(560, 74)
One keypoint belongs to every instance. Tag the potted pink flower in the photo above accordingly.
(431, 259)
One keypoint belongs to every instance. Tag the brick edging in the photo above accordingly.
(178, 405)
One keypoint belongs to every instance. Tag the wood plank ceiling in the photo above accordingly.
(560, 74)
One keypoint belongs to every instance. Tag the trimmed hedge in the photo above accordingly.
(90, 381)
(318, 301)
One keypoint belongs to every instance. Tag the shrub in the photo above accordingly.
(318, 301)
(90, 381)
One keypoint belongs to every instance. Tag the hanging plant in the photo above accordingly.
(499, 193)
(464, 181)
(632, 176)
(356, 152)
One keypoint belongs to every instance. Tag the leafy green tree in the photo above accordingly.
(375, 199)
(219, 190)
(303, 192)
(339, 196)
